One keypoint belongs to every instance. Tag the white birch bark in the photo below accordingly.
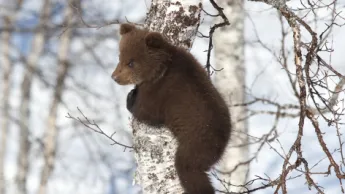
(155, 148)
(230, 82)
(7, 70)
(51, 133)
(6, 66)
(32, 60)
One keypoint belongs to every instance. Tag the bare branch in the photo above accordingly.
(95, 127)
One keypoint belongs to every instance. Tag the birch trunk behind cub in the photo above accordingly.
(230, 81)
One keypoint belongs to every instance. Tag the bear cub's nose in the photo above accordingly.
(115, 78)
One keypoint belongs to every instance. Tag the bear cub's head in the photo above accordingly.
(143, 56)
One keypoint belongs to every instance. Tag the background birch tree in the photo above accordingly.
(31, 67)
(52, 134)
(5, 61)
(229, 78)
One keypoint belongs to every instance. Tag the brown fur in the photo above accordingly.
(173, 90)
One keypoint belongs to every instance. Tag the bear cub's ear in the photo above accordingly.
(154, 40)
(125, 28)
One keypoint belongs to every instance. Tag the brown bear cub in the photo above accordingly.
(173, 90)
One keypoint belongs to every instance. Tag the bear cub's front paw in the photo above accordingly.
(132, 95)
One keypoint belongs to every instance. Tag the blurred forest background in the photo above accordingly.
(57, 56)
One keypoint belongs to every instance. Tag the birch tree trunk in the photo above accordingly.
(230, 82)
(32, 60)
(155, 148)
(6, 66)
(7, 69)
(51, 135)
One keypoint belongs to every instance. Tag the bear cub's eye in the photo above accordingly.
(131, 63)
